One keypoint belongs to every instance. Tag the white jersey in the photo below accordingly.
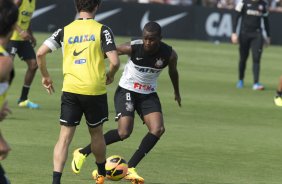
(142, 70)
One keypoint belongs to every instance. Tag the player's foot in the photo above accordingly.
(133, 176)
(28, 104)
(278, 101)
(258, 86)
(77, 161)
(97, 177)
(240, 84)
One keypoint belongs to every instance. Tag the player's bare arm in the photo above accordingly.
(124, 49)
(174, 77)
(41, 61)
(114, 65)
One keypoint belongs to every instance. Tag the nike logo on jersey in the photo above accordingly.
(40, 11)
(164, 21)
(77, 53)
(138, 58)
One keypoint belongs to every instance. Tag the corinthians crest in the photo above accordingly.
(129, 106)
(159, 63)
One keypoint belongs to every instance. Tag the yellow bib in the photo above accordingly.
(83, 60)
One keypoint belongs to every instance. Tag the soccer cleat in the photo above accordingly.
(240, 84)
(77, 161)
(97, 177)
(258, 87)
(278, 101)
(133, 176)
(28, 104)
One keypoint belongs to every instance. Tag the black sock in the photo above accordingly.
(86, 150)
(101, 168)
(279, 93)
(56, 177)
(110, 137)
(148, 142)
(24, 94)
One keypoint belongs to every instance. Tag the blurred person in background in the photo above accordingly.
(8, 18)
(278, 97)
(22, 43)
(276, 6)
(252, 13)
(226, 4)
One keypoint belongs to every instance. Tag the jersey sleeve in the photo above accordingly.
(107, 39)
(55, 41)
(135, 42)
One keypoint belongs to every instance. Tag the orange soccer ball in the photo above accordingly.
(116, 167)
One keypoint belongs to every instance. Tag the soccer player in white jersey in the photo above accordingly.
(137, 92)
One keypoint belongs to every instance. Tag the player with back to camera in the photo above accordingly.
(21, 44)
(137, 92)
(251, 36)
(84, 85)
(8, 18)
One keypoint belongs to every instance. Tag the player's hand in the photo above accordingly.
(5, 110)
(4, 148)
(178, 99)
(25, 35)
(109, 79)
(267, 41)
(33, 41)
(48, 84)
(234, 38)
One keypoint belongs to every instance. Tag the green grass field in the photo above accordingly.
(220, 135)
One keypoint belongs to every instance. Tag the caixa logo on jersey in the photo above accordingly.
(219, 25)
(80, 61)
(81, 38)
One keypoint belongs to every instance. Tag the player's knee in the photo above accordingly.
(33, 66)
(124, 134)
(158, 131)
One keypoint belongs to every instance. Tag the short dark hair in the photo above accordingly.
(8, 16)
(86, 5)
(153, 27)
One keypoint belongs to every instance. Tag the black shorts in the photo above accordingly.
(24, 49)
(94, 108)
(126, 102)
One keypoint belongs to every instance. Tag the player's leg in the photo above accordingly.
(278, 97)
(61, 151)
(12, 48)
(26, 53)
(244, 46)
(149, 109)
(125, 118)
(96, 113)
(98, 147)
(257, 48)
(71, 114)
(154, 122)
